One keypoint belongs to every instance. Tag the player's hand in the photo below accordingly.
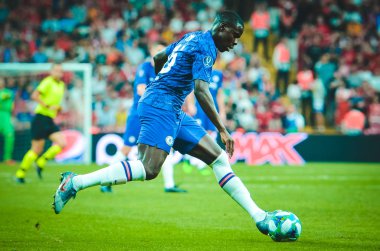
(228, 142)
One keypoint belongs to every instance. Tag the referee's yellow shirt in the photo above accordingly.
(51, 93)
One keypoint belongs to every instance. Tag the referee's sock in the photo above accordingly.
(48, 155)
(26, 163)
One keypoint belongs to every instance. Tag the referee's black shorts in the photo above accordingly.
(43, 127)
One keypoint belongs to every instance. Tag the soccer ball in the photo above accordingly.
(284, 226)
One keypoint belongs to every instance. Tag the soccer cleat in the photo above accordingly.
(263, 225)
(175, 189)
(20, 180)
(64, 192)
(106, 189)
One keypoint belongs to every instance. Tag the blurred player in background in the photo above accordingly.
(200, 116)
(6, 126)
(184, 66)
(48, 95)
(144, 75)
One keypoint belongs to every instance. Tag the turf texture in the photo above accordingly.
(338, 204)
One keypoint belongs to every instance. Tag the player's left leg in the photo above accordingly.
(194, 140)
(59, 143)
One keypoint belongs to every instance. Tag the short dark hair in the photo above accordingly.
(228, 17)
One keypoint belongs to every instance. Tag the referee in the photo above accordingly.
(48, 95)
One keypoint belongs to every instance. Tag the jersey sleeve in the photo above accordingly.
(202, 66)
(43, 86)
(142, 75)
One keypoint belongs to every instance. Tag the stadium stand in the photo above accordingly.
(320, 61)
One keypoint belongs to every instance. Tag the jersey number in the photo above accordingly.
(173, 56)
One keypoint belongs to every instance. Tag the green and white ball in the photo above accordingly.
(284, 226)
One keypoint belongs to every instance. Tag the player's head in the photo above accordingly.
(156, 47)
(226, 30)
(56, 71)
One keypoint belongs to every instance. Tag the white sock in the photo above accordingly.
(168, 173)
(235, 188)
(117, 173)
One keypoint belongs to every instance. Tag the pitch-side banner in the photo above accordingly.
(272, 148)
(251, 148)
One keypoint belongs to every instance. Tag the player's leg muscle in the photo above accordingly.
(152, 158)
(206, 150)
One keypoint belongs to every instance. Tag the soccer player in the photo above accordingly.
(6, 126)
(144, 75)
(183, 66)
(48, 95)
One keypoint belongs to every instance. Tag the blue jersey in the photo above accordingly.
(190, 58)
(215, 84)
(144, 75)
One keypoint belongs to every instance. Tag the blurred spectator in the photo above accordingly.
(336, 42)
(294, 121)
(294, 93)
(288, 15)
(281, 62)
(353, 122)
(319, 93)
(305, 80)
(39, 56)
(260, 23)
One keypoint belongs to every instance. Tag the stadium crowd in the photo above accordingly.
(301, 64)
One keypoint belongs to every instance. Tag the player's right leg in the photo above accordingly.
(155, 141)
(217, 159)
(193, 139)
(122, 172)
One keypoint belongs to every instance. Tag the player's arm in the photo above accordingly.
(221, 105)
(36, 96)
(159, 60)
(203, 95)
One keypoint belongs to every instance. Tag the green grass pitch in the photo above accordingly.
(338, 205)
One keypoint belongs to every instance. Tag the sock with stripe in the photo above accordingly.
(233, 186)
(117, 173)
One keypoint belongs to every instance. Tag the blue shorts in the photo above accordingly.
(204, 121)
(166, 129)
(132, 129)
